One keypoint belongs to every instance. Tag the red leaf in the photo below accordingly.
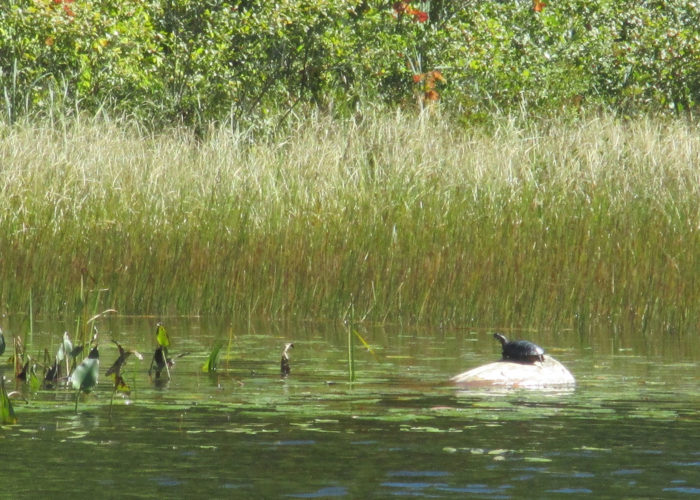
(438, 76)
(431, 95)
(420, 16)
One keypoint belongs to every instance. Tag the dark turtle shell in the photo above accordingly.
(520, 350)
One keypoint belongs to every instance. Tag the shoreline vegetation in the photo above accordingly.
(196, 63)
(519, 164)
(555, 223)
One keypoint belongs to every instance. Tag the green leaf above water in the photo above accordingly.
(162, 336)
(84, 377)
(124, 354)
(212, 361)
(33, 380)
(7, 413)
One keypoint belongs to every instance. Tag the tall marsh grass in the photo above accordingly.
(553, 224)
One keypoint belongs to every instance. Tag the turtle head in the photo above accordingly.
(500, 337)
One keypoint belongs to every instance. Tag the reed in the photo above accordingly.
(527, 223)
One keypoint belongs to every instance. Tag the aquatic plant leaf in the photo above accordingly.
(7, 413)
(120, 384)
(162, 336)
(51, 374)
(364, 342)
(160, 362)
(121, 360)
(65, 349)
(33, 380)
(213, 359)
(76, 351)
(22, 374)
(84, 377)
(285, 368)
(117, 365)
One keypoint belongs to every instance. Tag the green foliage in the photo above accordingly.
(210, 365)
(84, 377)
(162, 336)
(116, 368)
(7, 413)
(351, 355)
(197, 62)
(59, 56)
(621, 54)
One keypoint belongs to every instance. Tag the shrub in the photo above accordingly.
(198, 62)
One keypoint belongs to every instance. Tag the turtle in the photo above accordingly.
(520, 350)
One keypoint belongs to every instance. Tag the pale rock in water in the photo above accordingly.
(510, 374)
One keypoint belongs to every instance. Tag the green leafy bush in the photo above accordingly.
(64, 55)
(195, 62)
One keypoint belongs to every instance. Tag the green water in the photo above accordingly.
(630, 428)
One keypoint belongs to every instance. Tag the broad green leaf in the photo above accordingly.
(162, 336)
(120, 384)
(33, 380)
(7, 413)
(209, 365)
(84, 377)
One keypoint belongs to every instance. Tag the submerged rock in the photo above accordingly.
(504, 373)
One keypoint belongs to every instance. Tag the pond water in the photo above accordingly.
(630, 428)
